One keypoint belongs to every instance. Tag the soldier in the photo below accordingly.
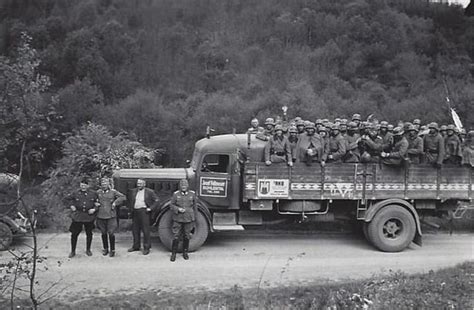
(370, 146)
(433, 145)
(337, 146)
(300, 127)
(352, 140)
(184, 207)
(387, 137)
(323, 133)
(343, 127)
(415, 145)
(318, 124)
(398, 152)
(390, 128)
(293, 140)
(255, 128)
(278, 149)
(109, 200)
(468, 151)
(268, 131)
(83, 204)
(452, 145)
(356, 119)
(310, 146)
(417, 124)
(462, 136)
(141, 201)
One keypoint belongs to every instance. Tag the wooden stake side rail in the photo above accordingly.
(357, 181)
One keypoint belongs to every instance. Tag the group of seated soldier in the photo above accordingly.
(357, 141)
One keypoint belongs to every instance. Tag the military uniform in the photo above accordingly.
(433, 148)
(83, 201)
(398, 153)
(107, 217)
(336, 148)
(371, 146)
(452, 146)
(415, 149)
(307, 142)
(278, 150)
(468, 150)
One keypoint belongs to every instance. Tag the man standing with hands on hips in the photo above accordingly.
(141, 201)
(83, 204)
(184, 208)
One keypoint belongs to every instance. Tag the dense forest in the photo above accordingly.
(159, 71)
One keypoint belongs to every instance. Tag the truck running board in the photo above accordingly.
(227, 227)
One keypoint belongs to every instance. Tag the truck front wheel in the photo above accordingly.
(201, 231)
(6, 236)
(392, 229)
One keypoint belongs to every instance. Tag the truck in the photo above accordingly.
(236, 189)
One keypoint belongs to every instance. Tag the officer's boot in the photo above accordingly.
(185, 248)
(73, 245)
(105, 244)
(174, 249)
(88, 244)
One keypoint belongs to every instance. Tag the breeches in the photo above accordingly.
(184, 229)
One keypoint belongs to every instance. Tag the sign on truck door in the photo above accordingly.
(216, 181)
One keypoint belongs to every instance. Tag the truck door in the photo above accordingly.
(218, 180)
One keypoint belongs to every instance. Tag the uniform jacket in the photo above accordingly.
(106, 199)
(387, 140)
(468, 154)
(336, 148)
(452, 146)
(278, 146)
(151, 199)
(415, 149)
(352, 149)
(434, 148)
(255, 130)
(293, 141)
(371, 145)
(265, 135)
(186, 200)
(83, 201)
(304, 143)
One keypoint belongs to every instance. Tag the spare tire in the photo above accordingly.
(199, 236)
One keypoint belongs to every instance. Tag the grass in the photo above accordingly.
(450, 288)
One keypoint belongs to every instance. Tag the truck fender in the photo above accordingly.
(400, 202)
(201, 205)
(14, 227)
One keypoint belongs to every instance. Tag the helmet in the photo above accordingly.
(383, 124)
(322, 128)
(278, 127)
(443, 128)
(416, 122)
(309, 125)
(451, 127)
(433, 125)
(293, 129)
(398, 131)
(300, 123)
(344, 121)
(406, 125)
(356, 117)
(324, 121)
(270, 121)
(390, 127)
(365, 157)
(297, 119)
(335, 127)
(337, 120)
(352, 125)
(470, 134)
(318, 122)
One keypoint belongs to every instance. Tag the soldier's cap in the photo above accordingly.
(433, 125)
(424, 127)
(416, 121)
(412, 128)
(318, 122)
(451, 127)
(390, 127)
(293, 129)
(335, 127)
(337, 120)
(398, 131)
(270, 121)
(300, 123)
(183, 182)
(344, 121)
(443, 128)
(310, 125)
(383, 124)
(356, 117)
(352, 125)
(278, 127)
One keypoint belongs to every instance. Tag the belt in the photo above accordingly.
(279, 153)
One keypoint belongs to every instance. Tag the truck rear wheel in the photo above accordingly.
(392, 229)
(201, 231)
(6, 237)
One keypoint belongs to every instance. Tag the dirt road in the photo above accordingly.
(242, 258)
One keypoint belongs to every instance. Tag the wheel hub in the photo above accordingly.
(392, 228)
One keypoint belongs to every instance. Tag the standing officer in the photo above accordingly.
(109, 199)
(184, 208)
(141, 201)
(83, 206)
